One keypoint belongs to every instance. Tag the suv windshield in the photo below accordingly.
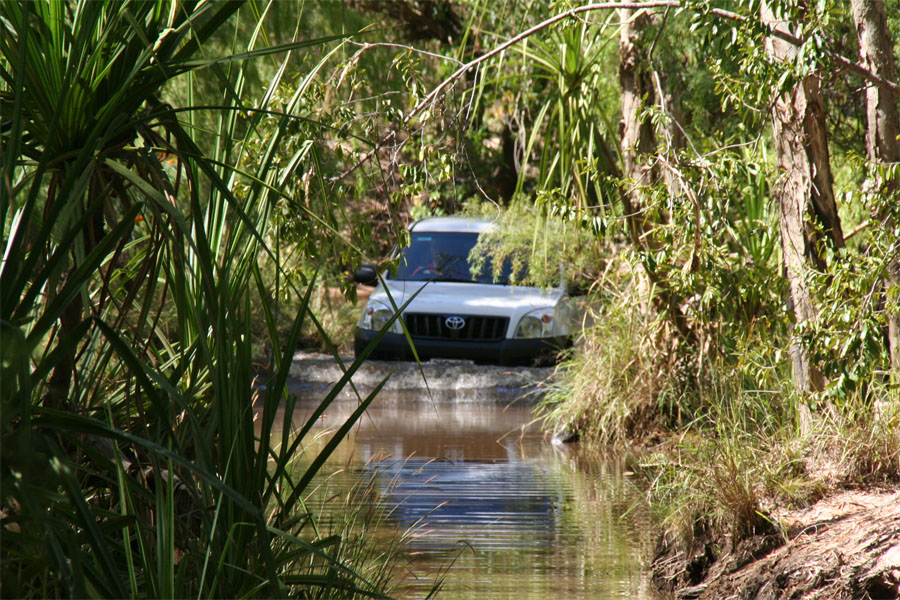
(438, 256)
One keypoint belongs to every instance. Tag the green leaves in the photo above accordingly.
(131, 459)
(87, 64)
(572, 122)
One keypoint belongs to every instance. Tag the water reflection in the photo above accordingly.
(492, 505)
(486, 505)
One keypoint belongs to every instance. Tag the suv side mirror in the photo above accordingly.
(366, 275)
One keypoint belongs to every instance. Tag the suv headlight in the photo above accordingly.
(539, 323)
(376, 315)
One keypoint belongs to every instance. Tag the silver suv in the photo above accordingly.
(455, 313)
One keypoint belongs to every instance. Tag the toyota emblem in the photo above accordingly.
(455, 323)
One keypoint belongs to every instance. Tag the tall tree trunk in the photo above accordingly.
(638, 139)
(671, 133)
(808, 217)
(639, 160)
(882, 135)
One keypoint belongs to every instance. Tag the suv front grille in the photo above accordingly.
(476, 328)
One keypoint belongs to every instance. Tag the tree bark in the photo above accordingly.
(808, 217)
(882, 138)
(638, 139)
(638, 145)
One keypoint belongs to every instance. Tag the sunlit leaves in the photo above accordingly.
(134, 458)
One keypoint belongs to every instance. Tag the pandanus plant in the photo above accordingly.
(139, 456)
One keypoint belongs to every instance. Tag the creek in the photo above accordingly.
(484, 500)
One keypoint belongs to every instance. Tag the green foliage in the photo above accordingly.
(572, 121)
(847, 337)
(544, 246)
(345, 106)
(855, 296)
(139, 454)
(610, 385)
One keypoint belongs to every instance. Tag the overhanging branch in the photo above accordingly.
(432, 96)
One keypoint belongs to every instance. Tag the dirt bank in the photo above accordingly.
(846, 546)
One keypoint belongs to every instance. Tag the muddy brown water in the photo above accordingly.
(483, 498)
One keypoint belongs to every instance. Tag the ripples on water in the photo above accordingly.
(488, 503)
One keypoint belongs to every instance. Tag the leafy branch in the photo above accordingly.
(432, 96)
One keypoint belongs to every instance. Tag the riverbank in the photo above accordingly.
(734, 461)
(804, 517)
(845, 546)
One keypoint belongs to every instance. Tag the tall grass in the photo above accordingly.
(730, 472)
(724, 443)
(137, 447)
(612, 389)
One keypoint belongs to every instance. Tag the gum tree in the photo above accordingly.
(883, 147)
(808, 217)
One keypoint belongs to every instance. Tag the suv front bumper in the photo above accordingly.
(394, 346)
